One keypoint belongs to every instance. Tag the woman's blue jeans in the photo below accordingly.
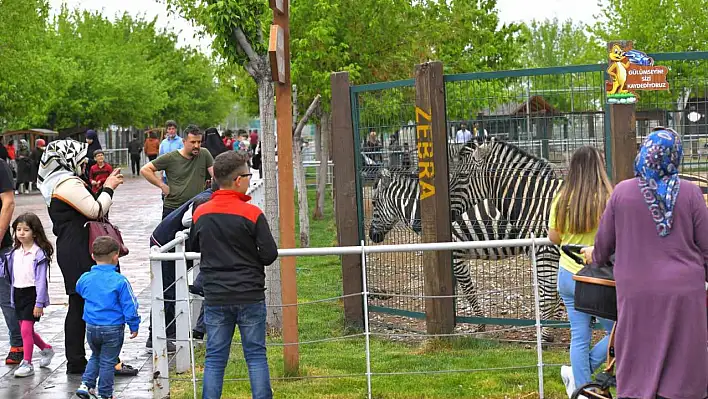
(583, 360)
(221, 322)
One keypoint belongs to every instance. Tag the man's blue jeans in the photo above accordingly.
(8, 313)
(105, 343)
(221, 322)
(583, 360)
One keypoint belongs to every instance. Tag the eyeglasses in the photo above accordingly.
(244, 175)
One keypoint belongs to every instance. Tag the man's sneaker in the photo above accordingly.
(197, 334)
(85, 392)
(25, 370)
(568, 380)
(15, 356)
(46, 357)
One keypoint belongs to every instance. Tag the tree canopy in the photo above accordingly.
(81, 68)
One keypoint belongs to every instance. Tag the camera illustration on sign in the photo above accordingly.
(631, 70)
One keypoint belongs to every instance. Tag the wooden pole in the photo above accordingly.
(434, 195)
(286, 197)
(623, 134)
(345, 197)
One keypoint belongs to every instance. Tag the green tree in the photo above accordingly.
(108, 80)
(25, 69)
(551, 43)
(468, 37)
(240, 32)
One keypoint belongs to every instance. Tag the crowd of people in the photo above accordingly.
(78, 185)
(656, 226)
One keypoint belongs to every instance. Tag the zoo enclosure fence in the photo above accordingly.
(187, 309)
(549, 112)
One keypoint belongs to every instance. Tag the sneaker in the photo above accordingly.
(25, 370)
(568, 380)
(46, 357)
(197, 334)
(85, 392)
(15, 356)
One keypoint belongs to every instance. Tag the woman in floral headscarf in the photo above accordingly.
(657, 226)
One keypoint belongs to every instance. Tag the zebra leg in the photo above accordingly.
(461, 270)
(547, 273)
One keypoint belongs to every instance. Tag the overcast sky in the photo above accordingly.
(509, 10)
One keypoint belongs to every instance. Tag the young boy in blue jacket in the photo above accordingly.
(109, 305)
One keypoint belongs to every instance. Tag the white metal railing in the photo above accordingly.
(184, 355)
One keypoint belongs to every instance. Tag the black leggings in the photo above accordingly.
(75, 334)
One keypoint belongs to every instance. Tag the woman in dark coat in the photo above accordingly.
(24, 168)
(36, 157)
(71, 204)
(213, 142)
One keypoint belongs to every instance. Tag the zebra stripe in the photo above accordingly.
(522, 187)
(396, 198)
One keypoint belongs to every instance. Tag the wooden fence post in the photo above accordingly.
(623, 139)
(434, 195)
(345, 196)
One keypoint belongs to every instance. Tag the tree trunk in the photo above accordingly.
(266, 104)
(300, 182)
(301, 185)
(318, 137)
(323, 173)
(319, 212)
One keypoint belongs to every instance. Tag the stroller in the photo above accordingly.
(595, 294)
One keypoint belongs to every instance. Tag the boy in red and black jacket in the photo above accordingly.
(236, 244)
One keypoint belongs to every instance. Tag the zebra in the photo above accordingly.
(396, 198)
(522, 187)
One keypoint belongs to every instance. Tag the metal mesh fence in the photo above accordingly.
(547, 113)
(384, 124)
(683, 108)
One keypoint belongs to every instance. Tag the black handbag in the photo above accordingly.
(595, 291)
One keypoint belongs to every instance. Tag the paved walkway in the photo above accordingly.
(136, 211)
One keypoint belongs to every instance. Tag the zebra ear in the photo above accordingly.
(385, 176)
(482, 151)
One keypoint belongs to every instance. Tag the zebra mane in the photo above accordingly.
(491, 145)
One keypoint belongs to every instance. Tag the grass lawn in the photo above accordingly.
(320, 277)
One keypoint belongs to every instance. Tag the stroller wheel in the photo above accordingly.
(592, 390)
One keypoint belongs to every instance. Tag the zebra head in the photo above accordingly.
(395, 197)
(482, 164)
(469, 164)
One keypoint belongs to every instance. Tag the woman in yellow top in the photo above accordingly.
(575, 216)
